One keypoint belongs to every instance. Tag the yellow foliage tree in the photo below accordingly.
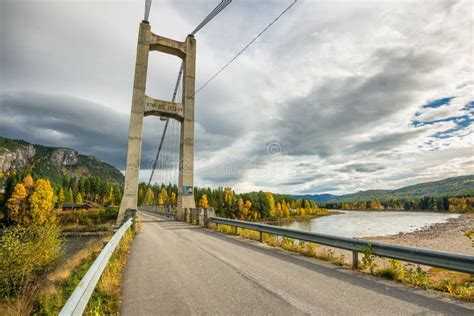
(28, 183)
(79, 199)
(61, 197)
(16, 205)
(164, 195)
(285, 210)
(42, 202)
(149, 196)
(246, 210)
(173, 198)
(228, 196)
(271, 204)
(240, 205)
(203, 202)
(279, 212)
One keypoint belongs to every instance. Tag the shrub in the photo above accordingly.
(417, 277)
(87, 217)
(25, 253)
(368, 260)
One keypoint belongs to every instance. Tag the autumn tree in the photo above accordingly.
(79, 199)
(203, 201)
(246, 210)
(285, 210)
(28, 183)
(42, 201)
(173, 198)
(279, 212)
(271, 204)
(68, 196)
(61, 197)
(149, 196)
(17, 206)
(141, 195)
(164, 195)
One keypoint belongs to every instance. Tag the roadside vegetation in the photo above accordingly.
(106, 298)
(455, 284)
(34, 277)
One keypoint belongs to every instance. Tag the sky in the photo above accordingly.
(336, 97)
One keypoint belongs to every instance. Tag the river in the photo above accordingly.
(370, 224)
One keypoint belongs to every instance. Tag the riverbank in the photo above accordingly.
(285, 221)
(447, 236)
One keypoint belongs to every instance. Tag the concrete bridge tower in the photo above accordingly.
(143, 105)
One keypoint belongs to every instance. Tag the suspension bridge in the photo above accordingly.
(176, 267)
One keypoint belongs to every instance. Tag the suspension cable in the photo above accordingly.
(242, 50)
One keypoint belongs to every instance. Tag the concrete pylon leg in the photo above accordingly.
(129, 199)
(186, 152)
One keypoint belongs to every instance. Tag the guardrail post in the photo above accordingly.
(261, 236)
(200, 216)
(186, 215)
(130, 213)
(355, 260)
(208, 213)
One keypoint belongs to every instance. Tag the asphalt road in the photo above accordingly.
(180, 269)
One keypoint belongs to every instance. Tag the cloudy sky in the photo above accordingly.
(336, 97)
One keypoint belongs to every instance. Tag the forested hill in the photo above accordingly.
(455, 186)
(52, 163)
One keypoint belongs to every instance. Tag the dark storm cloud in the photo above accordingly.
(83, 125)
(68, 122)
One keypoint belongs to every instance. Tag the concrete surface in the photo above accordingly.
(176, 268)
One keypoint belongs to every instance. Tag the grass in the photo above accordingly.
(455, 284)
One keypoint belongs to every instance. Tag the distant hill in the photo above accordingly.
(317, 197)
(455, 186)
(52, 162)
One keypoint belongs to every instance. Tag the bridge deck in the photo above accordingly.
(177, 268)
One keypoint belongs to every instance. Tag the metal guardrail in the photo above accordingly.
(77, 302)
(164, 214)
(157, 212)
(446, 260)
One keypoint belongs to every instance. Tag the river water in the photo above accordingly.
(370, 224)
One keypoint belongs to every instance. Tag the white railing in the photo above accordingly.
(77, 302)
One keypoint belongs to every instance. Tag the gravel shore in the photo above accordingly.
(448, 236)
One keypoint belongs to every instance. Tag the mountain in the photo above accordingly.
(52, 162)
(317, 197)
(455, 186)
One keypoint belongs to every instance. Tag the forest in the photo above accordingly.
(461, 204)
(92, 189)
(245, 206)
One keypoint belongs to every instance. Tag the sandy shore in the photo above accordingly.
(448, 236)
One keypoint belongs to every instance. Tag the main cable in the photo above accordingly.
(242, 50)
(221, 6)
